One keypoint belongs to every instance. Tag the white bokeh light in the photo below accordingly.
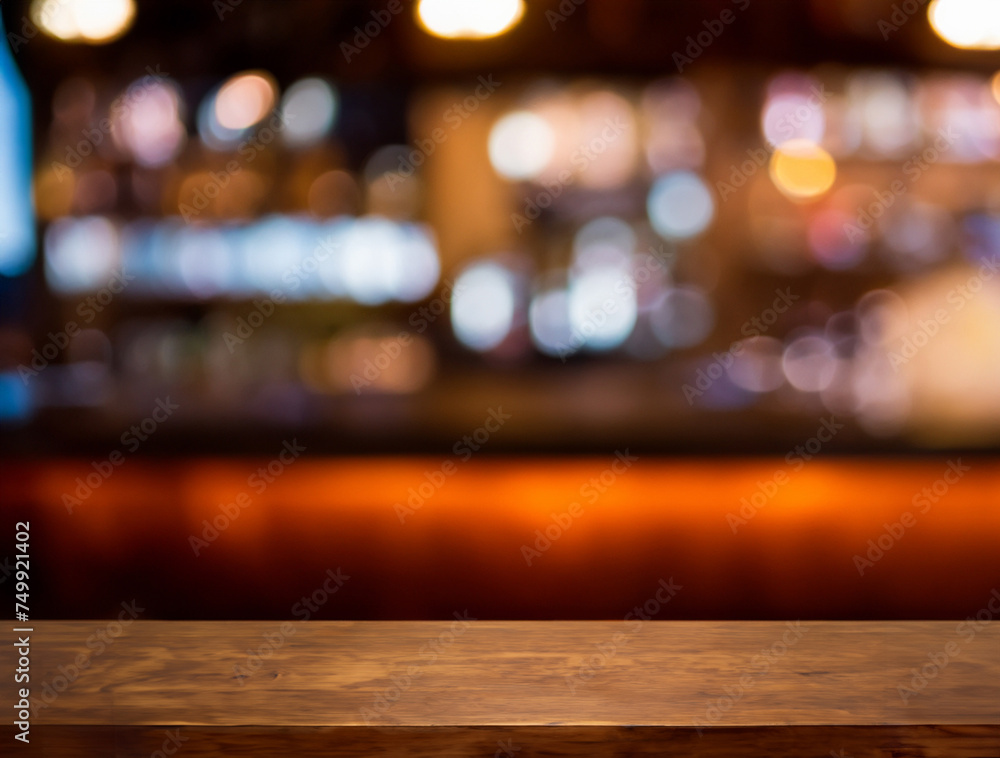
(680, 205)
(309, 109)
(150, 126)
(601, 313)
(548, 318)
(792, 116)
(483, 305)
(810, 363)
(521, 144)
(469, 19)
(81, 253)
(967, 24)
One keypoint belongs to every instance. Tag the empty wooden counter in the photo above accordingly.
(462, 687)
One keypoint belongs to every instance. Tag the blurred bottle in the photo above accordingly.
(17, 212)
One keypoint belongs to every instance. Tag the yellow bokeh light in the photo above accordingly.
(995, 86)
(54, 188)
(966, 24)
(469, 19)
(244, 100)
(93, 21)
(802, 169)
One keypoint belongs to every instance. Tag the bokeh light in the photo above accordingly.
(309, 108)
(465, 19)
(605, 241)
(91, 21)
(884, 113)
(802, 169)
(548, 318)
(757, 366)
(483, 305)
(521, 145)
(810, 363)
(831, 243)
(791, 116)
(245, 100)
(601, 313)
(967, 24)
(150, 125)
(607, 132)
(80, 253)
(680, 205)
(375, 359)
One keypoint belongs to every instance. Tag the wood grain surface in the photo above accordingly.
(364, 685)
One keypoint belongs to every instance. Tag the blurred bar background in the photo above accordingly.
(731, 239)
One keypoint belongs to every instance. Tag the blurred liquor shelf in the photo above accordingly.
(651, 256)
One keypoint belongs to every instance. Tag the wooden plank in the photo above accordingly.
(506, 673)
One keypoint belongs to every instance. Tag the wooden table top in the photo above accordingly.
(509, 673)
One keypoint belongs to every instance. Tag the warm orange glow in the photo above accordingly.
(658, 518)
(245, 99)
(802, 169)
